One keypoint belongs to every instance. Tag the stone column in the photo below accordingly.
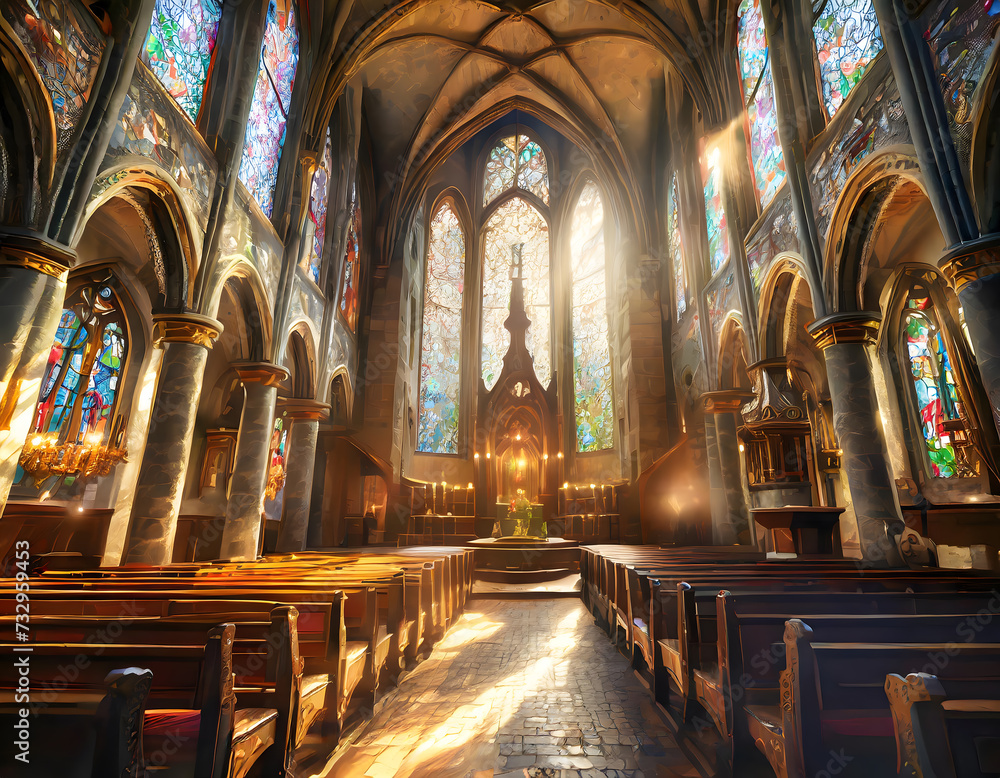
(730, 516)
(846, 340)
(32, 288)
(305, 416)
(244, 512)
(185, 340)
(973, 269)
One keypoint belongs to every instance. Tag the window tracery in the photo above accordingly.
(318, 201)
(593, 401)
(349, 276)
(515, 222)
(179, 48)
(516, 161)
(758, 97)
(933, 381)
(847, 40)
(676, 249)
(441, 343)
(265, 132)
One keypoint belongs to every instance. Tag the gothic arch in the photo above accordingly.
(300, 360)
(734, 354)
(859, 211)
(26, 122)
(166, 226)
(252, 299)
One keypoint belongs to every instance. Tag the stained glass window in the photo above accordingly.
(676, 249)
(349, 277)
(318, 195)
(847, 40)
(66, 49)
(758, 96)
(265, 134)
(933, 381)
(179, 48)
(274, 489)
(514, 222)
(715, 212)
(441, 346)
(591, 349)
(519, 163)
(80, 385)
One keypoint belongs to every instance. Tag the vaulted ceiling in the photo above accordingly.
(433, 72)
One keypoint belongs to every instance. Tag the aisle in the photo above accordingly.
(515, 685)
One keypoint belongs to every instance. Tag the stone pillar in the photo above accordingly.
(730, 516)
(185, 340)
(846, 340)
(32, 288)
(973, 269)
(301, 460)
(244, 512)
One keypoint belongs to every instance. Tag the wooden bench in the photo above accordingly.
(832, 698)
(945, 727)
(96, 721)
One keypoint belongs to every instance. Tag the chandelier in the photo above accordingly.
(44, 456)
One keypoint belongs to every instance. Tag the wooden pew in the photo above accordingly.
(832, 698)
(945, 727)
(96, 722)
(265, 658)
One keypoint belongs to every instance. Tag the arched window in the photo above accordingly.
(441, 342)
(515, 222)
(715, 211)
(676, 249)
(349, 275)
(79, 391)
(932, 379)
(318, 199)
(847, 40)
(179, 48)
(758, 97)
(593, 400)
(265, 133)
(516, 162)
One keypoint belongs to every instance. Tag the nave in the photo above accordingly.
(515, 685)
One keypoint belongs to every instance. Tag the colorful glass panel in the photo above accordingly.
(274, 490)
(90, 341)
(318, 200)
(758, 96)
(933, 383)
(514, 222)
(715, 211)
(66, 50)
(962, 35)
(516, 161)
(441, 345)
(676, 249)
(179, 48)
(592, 383)
(847, 40)
(349, 279)
(272, 94)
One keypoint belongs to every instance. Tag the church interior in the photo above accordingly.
(459, 388)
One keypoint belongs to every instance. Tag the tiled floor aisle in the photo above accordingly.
(515, 685)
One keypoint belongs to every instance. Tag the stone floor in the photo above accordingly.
(515, 689)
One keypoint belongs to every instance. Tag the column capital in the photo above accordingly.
(853, 327)
(185, 328)
(968, 262)
(726, 400)
(302, 408)
(266, 373)
(36, 253)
